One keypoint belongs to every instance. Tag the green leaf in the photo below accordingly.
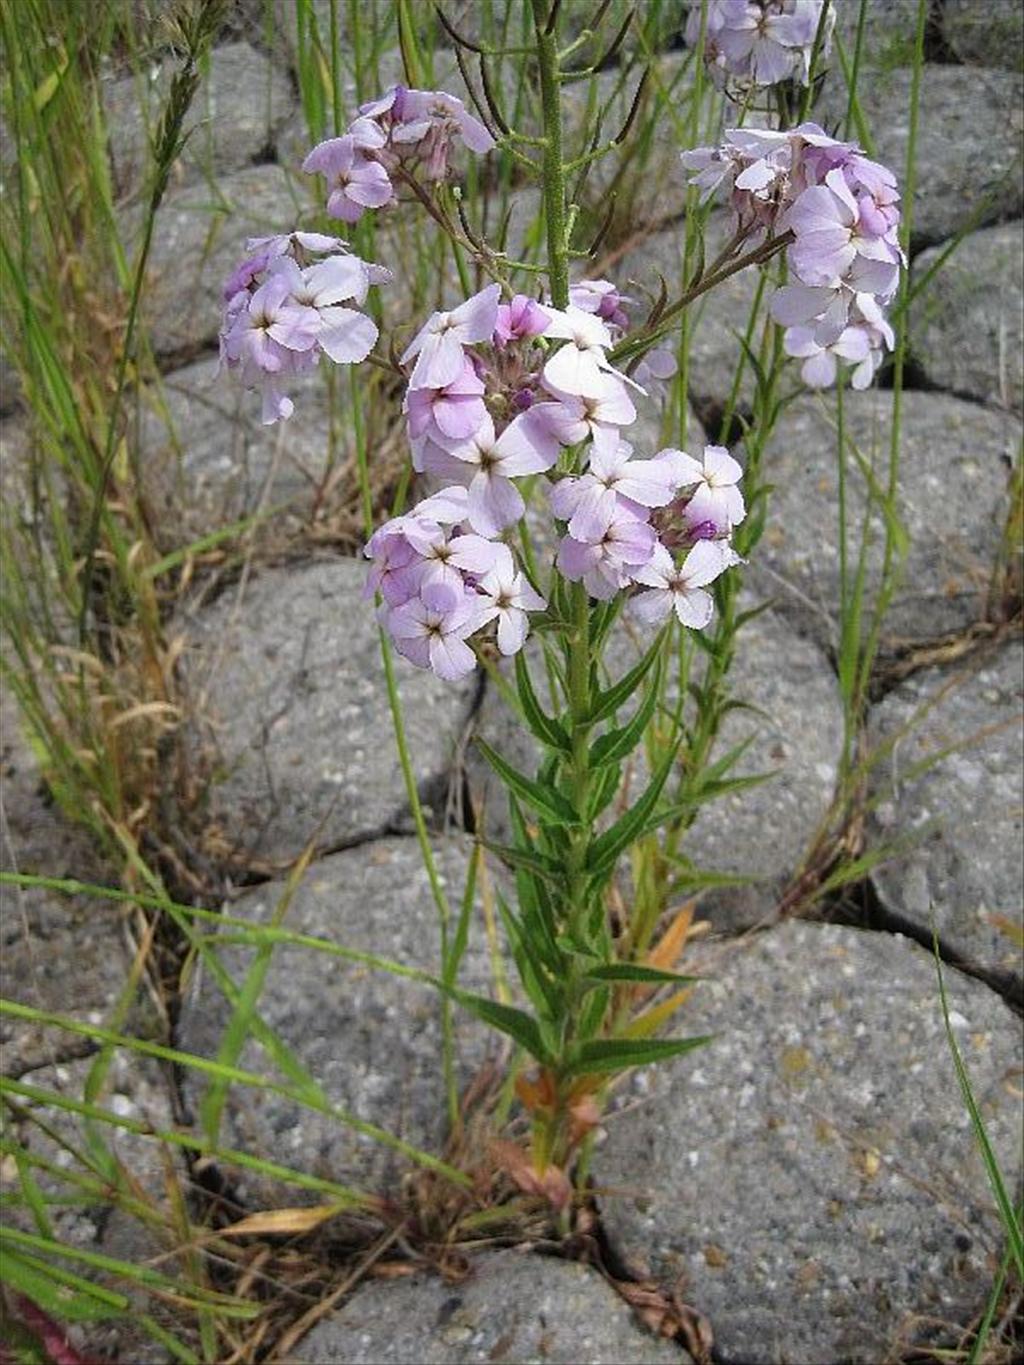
(609, 701)
(617, 744)
(616, 1054)
(542, 991)
(547, 730)
(605, 850)
(517, 1024)
(602, 792)
(544, 800)
(53, 1289)
(528, 860)
(1011, 1222)
(636, 971)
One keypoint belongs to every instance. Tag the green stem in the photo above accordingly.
(553, 168)
(554, 1141)
(889, 565)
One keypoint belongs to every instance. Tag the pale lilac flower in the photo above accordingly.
(519, 319)
(430, 119)
(587, 502)
(601, 298)
(526, 446)
(622, 543)
(355, 181)
(763, 41)
(267, 338)
(713, 478)
(454, 412)
(343, 334)
(510, 597)
(758, 40)
(580, 367)
(655, 369)
(438, 346)
(431, 630)
(679, 588)
(573, 418)
(397, 565)
(819, 368)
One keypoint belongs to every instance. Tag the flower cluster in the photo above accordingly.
(285, 306)
(842, 210)
(497, 391)
(760, 41)
(413, 129)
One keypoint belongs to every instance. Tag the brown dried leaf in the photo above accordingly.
(665, 1314)
(282, 1222)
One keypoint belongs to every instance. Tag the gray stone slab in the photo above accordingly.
(241, 102)
(207, 460)
(58, 953)
(371, 1040)
(968, 144)
(810, 1179)
(985, 32)
(198, 240)
(954, 468)
(966, 811)
(514, 1306)
(966, 327)
(792, 717)
(289, 678)
(888, 39)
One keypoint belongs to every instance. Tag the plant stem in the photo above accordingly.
(553, 168)
(553, 1143)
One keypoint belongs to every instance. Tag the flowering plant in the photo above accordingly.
(508, 394)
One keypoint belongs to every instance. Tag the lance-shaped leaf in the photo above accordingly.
(606, 849)
(547, 730)
(541, 989)
(544, 800)
(602, 1055)
(609, 701)
(638, 972)
(527, 859)
(517, 1024)
(618, 744)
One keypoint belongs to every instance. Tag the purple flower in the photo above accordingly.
(431, 630)
(763, 41)
(715, 497)
(679, 588)
(454, 412)
(601, 298)
(574, 418)
(424, 122)
(490, 462)
(280, 318)
(618, 544)
(438, 346)
(508, 597)
(355, 181)
(580, 367)
(519, 319)
(587, 502)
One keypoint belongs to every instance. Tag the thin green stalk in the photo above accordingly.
(337, 112)
(408, 774)
(889, 565)
(554, 170)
